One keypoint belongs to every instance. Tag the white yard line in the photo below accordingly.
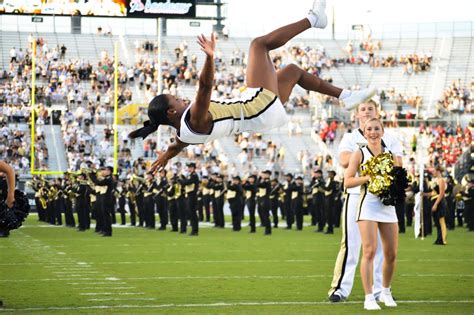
(112, 293)
(125, 299)
(93, 283)
(232, 261)
(104, 288)
(75, 271)
(415, 275)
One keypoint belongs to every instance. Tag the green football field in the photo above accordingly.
(56, 270)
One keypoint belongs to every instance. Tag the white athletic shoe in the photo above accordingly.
(371, 305)
(358, 97)
(387, 299)
(318, 10)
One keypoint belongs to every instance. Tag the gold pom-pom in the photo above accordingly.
(379, 169)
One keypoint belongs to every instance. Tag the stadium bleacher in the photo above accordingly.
(446, 64)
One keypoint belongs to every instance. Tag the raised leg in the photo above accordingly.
(291, 75)
(260, 70)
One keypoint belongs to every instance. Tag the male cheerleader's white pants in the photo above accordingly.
(348, 257)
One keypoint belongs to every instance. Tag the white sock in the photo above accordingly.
(312, 18)
(386, 290)
(370, 297)
(345, 93)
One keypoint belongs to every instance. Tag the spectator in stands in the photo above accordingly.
(13, 55)
(458, 98)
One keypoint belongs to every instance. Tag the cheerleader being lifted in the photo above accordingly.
(259, 109)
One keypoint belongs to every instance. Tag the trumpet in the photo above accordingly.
(73, 175)
(87, 171)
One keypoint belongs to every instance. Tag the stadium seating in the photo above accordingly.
(450, 56)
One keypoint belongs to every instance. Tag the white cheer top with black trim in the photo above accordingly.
(258, 111)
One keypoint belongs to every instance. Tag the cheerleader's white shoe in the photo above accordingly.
(387, 299)
(358, 97)
(318, 10)
(371, 305)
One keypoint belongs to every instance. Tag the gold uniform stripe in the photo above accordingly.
(363, 193)
(251, 108)
(341, 260)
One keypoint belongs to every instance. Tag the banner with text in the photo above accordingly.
(102, 8)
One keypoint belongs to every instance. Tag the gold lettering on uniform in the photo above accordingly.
(248, 194)
(231, 194)
(262, 192)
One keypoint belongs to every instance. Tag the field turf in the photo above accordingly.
(56, 270)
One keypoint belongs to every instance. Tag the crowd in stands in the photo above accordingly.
(328, 130)
(399, 98)
(15, 144)
(87, 89)
(458, 97)
(60, 81)
(447, 143)
(368, 52)
(15, 147)
(254, 146)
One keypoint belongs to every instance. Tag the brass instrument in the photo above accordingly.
(72, 194)
(72, 175)
(43, 202)
(52, 193)
(138, 178)
(87, 170)
(131, 195)
(82, 181)
(42, 193)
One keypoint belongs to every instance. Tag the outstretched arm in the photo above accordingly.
(163, 157)
(10, 173)
(200, 119)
